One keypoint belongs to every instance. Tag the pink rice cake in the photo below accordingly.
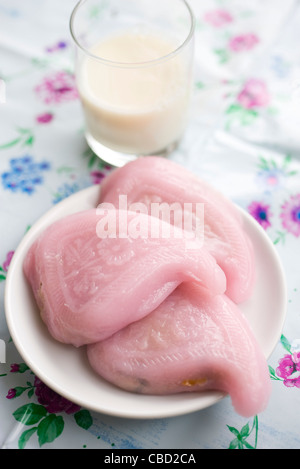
(159, 180)
(192, 342)
(88, 286)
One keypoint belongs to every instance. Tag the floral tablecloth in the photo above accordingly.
(243, 136)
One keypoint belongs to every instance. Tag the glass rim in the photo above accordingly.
(145, 63)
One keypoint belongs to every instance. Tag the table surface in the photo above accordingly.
(243, 137)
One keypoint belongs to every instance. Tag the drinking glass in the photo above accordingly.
(133, 66)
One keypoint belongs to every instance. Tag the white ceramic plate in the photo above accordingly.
(65, 369)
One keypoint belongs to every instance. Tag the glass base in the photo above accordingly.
(116, 158)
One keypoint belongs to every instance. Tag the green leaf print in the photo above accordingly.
(25, 437)
(50, 428)
(30, 414)
(273, 374)
(10, 144)
(242, 115)
(240, 440)
(285, 343)
(83, 418)
(25, 138)
(280, 237)
(223, 55)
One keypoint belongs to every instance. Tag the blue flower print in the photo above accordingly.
(24, 175)
(280, 66)
(272, 175)
(65, 191)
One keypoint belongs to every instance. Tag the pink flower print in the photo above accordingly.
(290, 215)
(11, 393)
(14, 368)
(261, 213)
(52, 401)
(57, 88)
(218, 18)
(97, 176)
(18, 368)
(289, 370)
(271, 179)
(243, 42)
(8, 259)
(58, 46)
(254, 94)
(44, 118)
(296, 358)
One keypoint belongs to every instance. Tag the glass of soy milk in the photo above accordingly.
(134, 61)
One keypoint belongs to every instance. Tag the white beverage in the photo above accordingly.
(134, 108)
